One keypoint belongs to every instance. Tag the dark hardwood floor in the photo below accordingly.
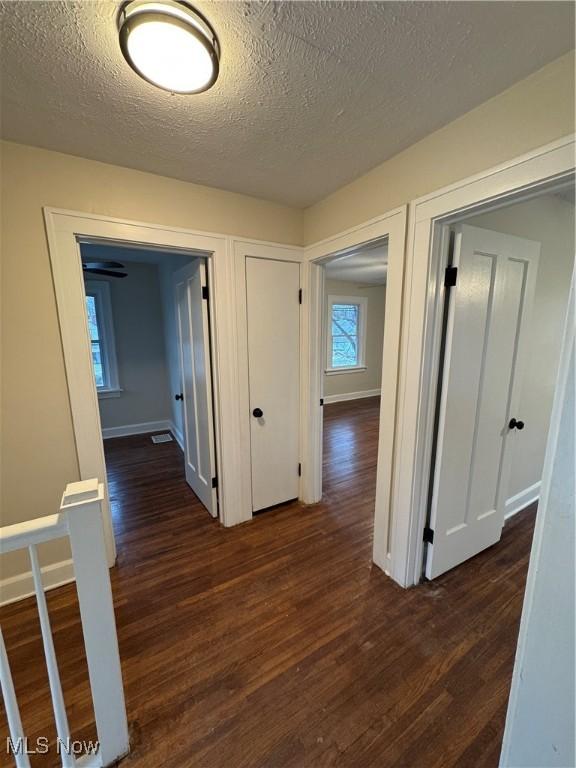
(277, 644)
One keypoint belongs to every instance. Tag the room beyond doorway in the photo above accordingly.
(149, 327)
(350, 454)
(354, 304)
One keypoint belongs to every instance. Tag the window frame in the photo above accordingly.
(100, 290)
(362, 303)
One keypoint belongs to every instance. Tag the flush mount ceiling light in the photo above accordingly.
(169, 44)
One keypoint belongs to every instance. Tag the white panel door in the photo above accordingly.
(487, 338)
(274, 378)
(198, 420)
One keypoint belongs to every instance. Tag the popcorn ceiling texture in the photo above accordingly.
(311, 94)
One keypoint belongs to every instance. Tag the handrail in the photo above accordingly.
(37, 531)
(80, 519)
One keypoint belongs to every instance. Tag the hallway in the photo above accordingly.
(277, 643)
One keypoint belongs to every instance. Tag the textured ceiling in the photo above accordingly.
(366, 265)
(310, 94)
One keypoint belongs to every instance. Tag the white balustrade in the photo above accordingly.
(11, 706)
(79, 518)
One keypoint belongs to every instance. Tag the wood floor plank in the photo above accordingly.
(277, 644)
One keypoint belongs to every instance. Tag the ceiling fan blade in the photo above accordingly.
(107, 272)
(102, 264)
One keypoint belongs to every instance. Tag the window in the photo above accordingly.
(346, 333)
(101, 330)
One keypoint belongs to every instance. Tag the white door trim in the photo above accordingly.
(65, 229)
(393, 226)
(419, 351)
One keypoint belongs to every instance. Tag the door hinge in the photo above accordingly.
(300, 296)
(205, 292)
(450, 276)
(428, 535)
(321, 401)
(299, 470)
(214, 482)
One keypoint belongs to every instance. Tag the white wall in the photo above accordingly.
(336, 385)
(550, 220)
(541, 712)
(138, 330)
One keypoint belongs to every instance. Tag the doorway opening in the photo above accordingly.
(351, 346)
(501, 316)
(151, 346)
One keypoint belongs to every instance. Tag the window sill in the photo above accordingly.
(103, 394)
(352, 369)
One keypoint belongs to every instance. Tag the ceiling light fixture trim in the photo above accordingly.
(164, 42)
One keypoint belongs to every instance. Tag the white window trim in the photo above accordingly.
(100, 289)
(362, 302)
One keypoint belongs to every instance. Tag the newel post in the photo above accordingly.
(82, 504)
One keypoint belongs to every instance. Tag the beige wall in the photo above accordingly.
(37, 442)
(531, 113)
(139, 337)
(371, 378)
(550, 221)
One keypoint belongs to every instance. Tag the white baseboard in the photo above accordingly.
(21, 586)
(177, 434)
(521, 500)
(136, 429)
(351, 396)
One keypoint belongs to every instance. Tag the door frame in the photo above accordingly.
(65, 230)
(529, 175)
(391, 225)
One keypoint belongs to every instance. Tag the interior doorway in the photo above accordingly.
(507, 274)
(351, 361)
(150, 336)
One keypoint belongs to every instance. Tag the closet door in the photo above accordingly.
(273, 308)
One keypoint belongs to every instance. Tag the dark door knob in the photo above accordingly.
(258, 413)
(515, 424)
(179, 397)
